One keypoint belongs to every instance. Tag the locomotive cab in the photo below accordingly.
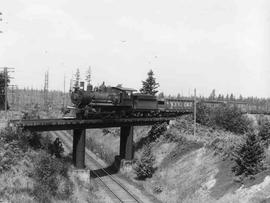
(125, 95)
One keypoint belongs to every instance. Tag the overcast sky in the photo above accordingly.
(210, 44)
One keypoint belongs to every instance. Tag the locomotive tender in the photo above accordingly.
(117, 102)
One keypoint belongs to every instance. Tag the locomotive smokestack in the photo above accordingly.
(82, 85)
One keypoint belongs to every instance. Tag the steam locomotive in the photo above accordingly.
(116, 102)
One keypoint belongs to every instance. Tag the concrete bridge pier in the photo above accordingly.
(126, 143)
(78, 154)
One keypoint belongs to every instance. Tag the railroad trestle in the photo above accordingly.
(126, 151)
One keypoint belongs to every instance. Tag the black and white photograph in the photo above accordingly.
(119, 101)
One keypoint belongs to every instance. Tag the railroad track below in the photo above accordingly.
(118, 192)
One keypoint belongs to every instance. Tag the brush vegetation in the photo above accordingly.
(225, 116)
(46, 172)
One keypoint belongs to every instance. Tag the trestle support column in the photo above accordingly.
(126, 143)
(78, 154)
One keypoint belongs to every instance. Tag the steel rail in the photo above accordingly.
(107, 173)
(117, 182)
(107, 187)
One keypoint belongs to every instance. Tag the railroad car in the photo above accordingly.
(179, 103)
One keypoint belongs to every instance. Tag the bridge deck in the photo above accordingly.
(70, 124)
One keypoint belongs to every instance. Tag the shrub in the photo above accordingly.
(144, 167)
(23, 139)
(14, 143)
(105, 131)
(231, 118)
(56, 148)
(224, 116)
(32, 114)
(203, 114)
(10, 134)
(157, 189)
(7, 160)
(262, 119)
(156, 131)
(171, 137)
(264, 132)
(16, 137)
(49, 174)
(249, 156)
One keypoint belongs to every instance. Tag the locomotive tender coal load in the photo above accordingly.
(118, 102)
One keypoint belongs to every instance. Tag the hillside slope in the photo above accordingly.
(191, 168)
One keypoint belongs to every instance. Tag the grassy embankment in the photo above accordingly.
(31, 172)
(190, 168)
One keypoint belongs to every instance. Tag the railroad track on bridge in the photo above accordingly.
(119, 193)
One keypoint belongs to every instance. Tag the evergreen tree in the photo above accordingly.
(230, 118)
(77, 78)
(231, 97)
(249, 156)
(161, 95)
(213, 95)
(222, 97)
(149, 85)
(240, 98)
(264, 132)
(88, 76)
(144, 167)
(2, 90)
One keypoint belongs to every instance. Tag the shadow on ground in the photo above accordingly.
(110, 170)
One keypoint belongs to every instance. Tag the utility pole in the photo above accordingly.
(17, 95)
(64, 98)
(1, 19)
(195, 111)
(46, 89)
(71, 85)
(12, 95)
(6, 81)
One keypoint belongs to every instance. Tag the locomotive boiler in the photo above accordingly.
(114, 102)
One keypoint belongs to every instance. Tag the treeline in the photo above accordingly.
(221, 97)
(23, 98)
